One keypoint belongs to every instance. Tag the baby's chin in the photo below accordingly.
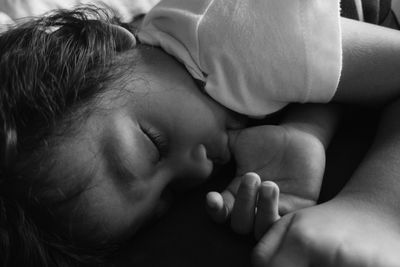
(191, 181)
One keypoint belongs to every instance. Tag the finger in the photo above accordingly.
(267, 208)
(233, 186)
(242, 218)
(290, 254)
(269, 244)
(216, 207)
(220, 206)
(279, 248)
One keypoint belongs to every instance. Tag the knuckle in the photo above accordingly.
(300, 233)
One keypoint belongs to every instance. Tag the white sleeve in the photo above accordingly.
(254, 56)
(5, 21)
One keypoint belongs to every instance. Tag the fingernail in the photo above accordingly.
(211, 203)
(269, 188)
(251, 179)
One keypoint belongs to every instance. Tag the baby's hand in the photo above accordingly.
(293, 159)
(255, 206)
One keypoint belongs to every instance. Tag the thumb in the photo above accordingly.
(269, 244)
(219, 205)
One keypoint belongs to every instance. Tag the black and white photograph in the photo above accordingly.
(193, 133)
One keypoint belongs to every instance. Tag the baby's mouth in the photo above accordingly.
(222, 159)
(219, 154)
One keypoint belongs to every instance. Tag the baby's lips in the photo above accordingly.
(219, 154)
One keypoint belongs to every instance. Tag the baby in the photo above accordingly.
(98, 129)
(256, 70)
(255, 62)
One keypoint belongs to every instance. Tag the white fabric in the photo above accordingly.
(23, 8)
(5, 21)
(254, 56)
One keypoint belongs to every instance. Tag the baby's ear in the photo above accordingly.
(124, 39)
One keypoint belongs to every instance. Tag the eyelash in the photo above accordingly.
(158, 140)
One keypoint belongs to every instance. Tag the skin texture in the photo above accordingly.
(143, 140)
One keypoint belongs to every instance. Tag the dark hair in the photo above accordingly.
(51, 70)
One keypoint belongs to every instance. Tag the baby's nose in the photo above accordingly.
(199, 153)
(194, 167)
(198, 162)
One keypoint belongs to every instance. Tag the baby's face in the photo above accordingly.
(160, 131)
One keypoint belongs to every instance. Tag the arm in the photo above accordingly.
(377, 180)
(371, 64)
(359, 227)
(319, 120)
